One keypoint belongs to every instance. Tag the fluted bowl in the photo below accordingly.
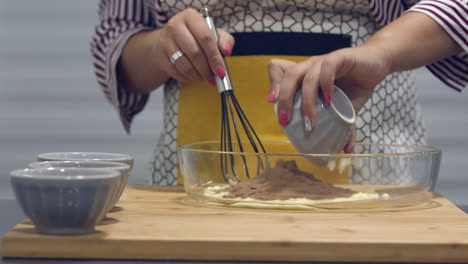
(122, 168)
(86, 156)
(332, 128)
(66, 201)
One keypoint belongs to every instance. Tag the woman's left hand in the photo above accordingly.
(355, 70)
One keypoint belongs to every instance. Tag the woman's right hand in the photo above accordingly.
(189, 33)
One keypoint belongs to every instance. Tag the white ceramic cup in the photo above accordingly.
(332, 127)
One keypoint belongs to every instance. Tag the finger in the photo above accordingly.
(172, 70)
(193, 53)
(327, 77)
(276, 69)
(287, 91)
(186, 68)
(177, 32)
(349, 148)
(310, 87)
(226, 42)
(207, 42)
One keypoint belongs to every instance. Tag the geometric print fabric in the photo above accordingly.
(391, 115)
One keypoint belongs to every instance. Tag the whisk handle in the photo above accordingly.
(223, 84)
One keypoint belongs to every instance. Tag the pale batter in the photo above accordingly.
(292, 203)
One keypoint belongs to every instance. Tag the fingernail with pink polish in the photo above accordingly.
(271, 97)
(327, 99)
(228, 49)
(349, 149)
(220, 72)
(212, 82)
(283, 118)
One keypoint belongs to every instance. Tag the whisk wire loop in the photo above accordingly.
(226, 145)
(230, 112)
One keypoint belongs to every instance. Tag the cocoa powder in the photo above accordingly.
(283, 182)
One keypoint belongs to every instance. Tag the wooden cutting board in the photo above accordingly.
(156, 223)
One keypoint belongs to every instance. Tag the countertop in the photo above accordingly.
(11, 215)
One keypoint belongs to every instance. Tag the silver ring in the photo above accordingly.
(175, 56)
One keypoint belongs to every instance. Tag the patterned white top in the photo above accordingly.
(392, 114)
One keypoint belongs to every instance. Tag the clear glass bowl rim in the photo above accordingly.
(422, 150)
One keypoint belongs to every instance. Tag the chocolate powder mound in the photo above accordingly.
(283, 182)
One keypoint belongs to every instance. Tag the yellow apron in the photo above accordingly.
(199, 115)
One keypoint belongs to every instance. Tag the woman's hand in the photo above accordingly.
(355, 70)
(145, 61)
(358, 70)
(188, 32)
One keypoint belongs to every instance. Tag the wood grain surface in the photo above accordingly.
(157, 223)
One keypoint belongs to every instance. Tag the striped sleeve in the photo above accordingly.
(385, 11)
(452, 16)
(118, 21)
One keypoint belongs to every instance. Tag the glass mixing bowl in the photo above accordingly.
(384, 176)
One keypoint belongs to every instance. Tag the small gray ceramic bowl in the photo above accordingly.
(88, 156)
(122, 168)
(332, 126)
(67, 201)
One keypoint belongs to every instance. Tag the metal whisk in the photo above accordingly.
(230, 112)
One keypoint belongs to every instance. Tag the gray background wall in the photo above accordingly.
(50, 101)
